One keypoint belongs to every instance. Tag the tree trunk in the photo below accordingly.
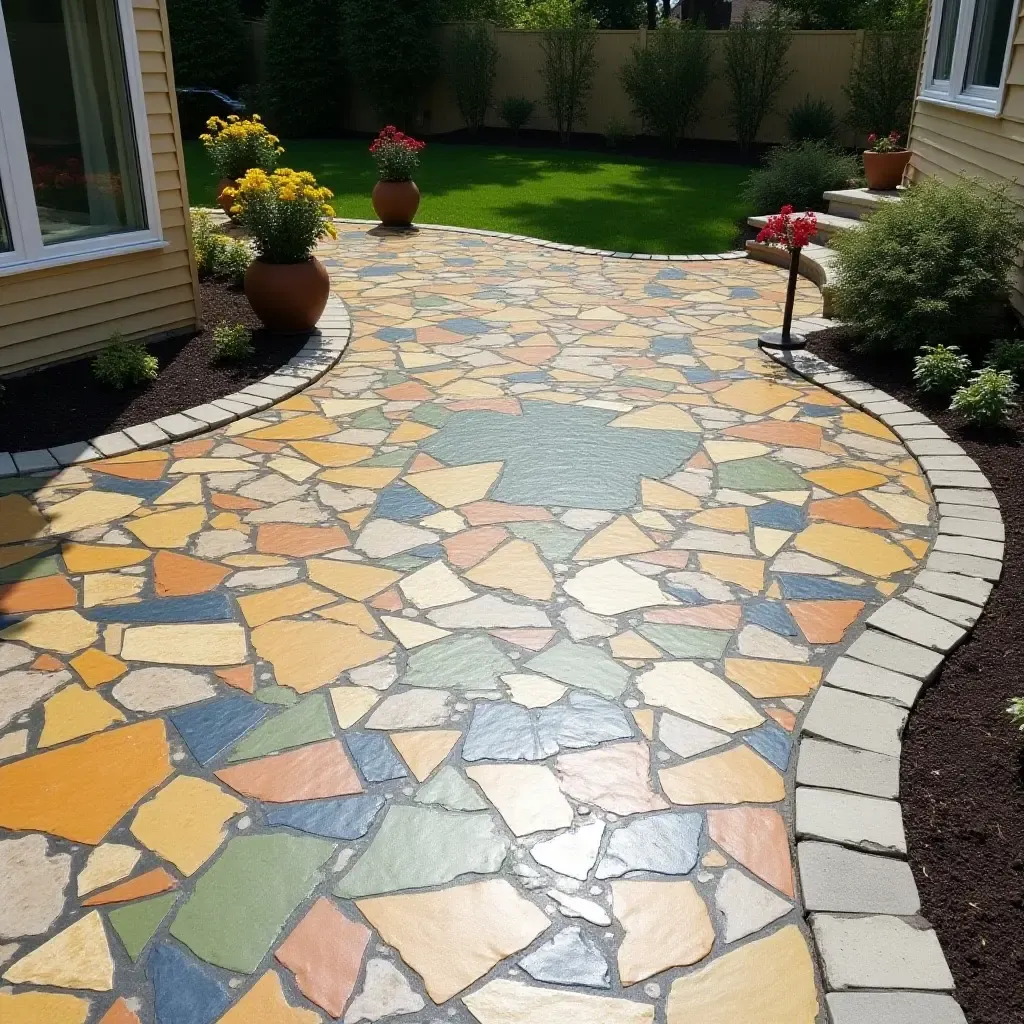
(652, 14)
(666, 9)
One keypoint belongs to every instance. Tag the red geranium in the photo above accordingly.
(396, 154)
(783, 229)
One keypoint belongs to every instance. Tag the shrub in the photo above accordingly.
(236, 144)
(666, 80)
(569, 66)
(1015, 709)
(303, 66)
(231, 258)
(941, 369)
(208, 39)
(472, 68)
(617, 134)
(124, 364)
(396, 154)
(755, 71)
(989, 399)
(203, 241)
(1008, 354)
(812, 120)
(232, 344)
(799, 176)
(393, 54)
(884, 81)
(516, 111)
(931, 268)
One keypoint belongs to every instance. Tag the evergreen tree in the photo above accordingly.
(208, 43)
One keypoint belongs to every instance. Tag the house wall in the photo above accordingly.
(948, 143)
(54, 313)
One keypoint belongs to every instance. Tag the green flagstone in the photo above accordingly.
(404, 563)
(556, 542)
(586, 667)
(30, 569)
(136, 923)
(18, 484)
(372, 419)
(432, 302)
(760, 474)
(687, 641)
(449, 789)
(276, 695)
(422, 846)
(647, 382)
(240, 905)
(391, 378)
(306, 722)
(459, 663)
(431, 415)
(395, 459)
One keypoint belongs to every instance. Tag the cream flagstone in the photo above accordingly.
(620, 537)
(693, 692)
(533, 691)
(352, 702)
(511, 1002)
(526, 796)
(572, 853)
(410, 633)
(77, 957)
(107, 864)
(610, 588)
(458, 485)
(746, 906)
(655, 417)
(659, 495)
(185, 492)
(433, 586)
(515, 566)
(730, 451)
(902, 508)
(769, 541)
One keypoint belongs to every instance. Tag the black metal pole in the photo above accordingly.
(794, 273)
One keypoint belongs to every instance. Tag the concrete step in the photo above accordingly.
(828, 225)
(859, 203)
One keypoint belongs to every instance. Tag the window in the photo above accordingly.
(71, 141)
(969, 53)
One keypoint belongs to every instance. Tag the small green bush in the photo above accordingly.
(1008, 354)
(232, 344)
(1015, 709)
(989, 400)
(932, 268)
(516, 111)
(812, 120)
(799, 175)
(124, 364)
(231, 258)
(203, 241)
(617, 134)
(941, 369)
(472, 68)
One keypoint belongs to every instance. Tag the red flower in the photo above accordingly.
(872, 139)
(788, 231)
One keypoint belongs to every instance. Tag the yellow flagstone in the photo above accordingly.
(737, 776)
(888, 589)
(110, 588)
(356, 517)
(63, 632)
(730, 519)
(228, 521)
(295, 469)
(844, 480)
(770, 981)
(904, 509)
(658, 417)
(458, 485)
(517, 567)
(511, 1002)
(644, 718)
(631, 645)
(201, 465)
(265, 1002)
(107, 864)
(351, 579)
(352, 612)
(731, 451)
(282, 601)
(435, 378)
(862, 423)
(254, 561)
(747, 572)
(39, 1007)
(82, 558)
(763, 679)
(332, 453)
(447, 522)
(185, 492)
(472, 389)
(299, 428)
(189, 644)
(347, 407)
(90, 508)
(916, 546)
(916, 485)
(412, 634)
(652, 520)
(351, 703)
(797, 498)
(96, 667)
(769, 541)
(73, 712)
(77, 957)
(755, 396)
(184, 823)
(424, 750)
(297, 403)
(361, 476)
(620, 537)
(659, 495)
(171, 529)
(860, 550)
(415, 360)
(689, 690)
(410, 431)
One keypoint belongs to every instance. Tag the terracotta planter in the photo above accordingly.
(884, 171)
(288, 297)
(223, 201)
(396, 202)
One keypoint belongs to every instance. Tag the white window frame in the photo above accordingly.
(29, 252)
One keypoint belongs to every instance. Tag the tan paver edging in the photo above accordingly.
(880, 959)
(310, 363)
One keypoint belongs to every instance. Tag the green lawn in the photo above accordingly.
(606, 202)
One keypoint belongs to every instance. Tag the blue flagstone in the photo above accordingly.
(698, 376)
(668, 844)
(427, 551)
(772, 742)
(148, 490)
(9, 620)
(777, 515)
(209, 729)
(570, 958)
(528, 377)
(685, 594)
(796, 587)
(460, 261)
(772, 615)
(402, 502)
(375, 757)
(185, 990)
(347, 817)
(671, 274)
(383, 270)
(467, 325)
(818, 410)
(658, 291)
(744, 293)
(672, 346)
(503, 732)
(212, 607)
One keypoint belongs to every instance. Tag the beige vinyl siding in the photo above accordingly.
(948, 142)
(54, 313)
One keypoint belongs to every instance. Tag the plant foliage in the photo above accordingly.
(208, 40)
(236, 144)
(799, 176)
(217, 254)
(931, 268)
(846, 14)
(472, 68)
(396, 154)
(812, 120)
(1015, 709)
(516, 111)
(1008, 354)
(666, 80)
(569, 66)
(988, 400)
(232, 344)
(884, 81)
(940, 369)
(124, 364)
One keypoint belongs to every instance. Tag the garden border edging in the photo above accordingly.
(880, 959)
(319, 355)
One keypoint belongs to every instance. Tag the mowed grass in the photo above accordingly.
(604, 201)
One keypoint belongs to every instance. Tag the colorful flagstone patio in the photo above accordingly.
(461, 687)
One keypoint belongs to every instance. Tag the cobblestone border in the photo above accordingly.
(880, 959)
(312, 361)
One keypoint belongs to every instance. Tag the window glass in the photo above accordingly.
(989, 35)
(946, 41)
(71, 80)
(5, 231)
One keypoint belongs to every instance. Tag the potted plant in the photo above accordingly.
(236, 145)
(885, 161)
(395, 196)
(790, 233)
(286, 214)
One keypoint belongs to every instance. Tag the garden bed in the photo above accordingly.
(65, 403)
(962, 775)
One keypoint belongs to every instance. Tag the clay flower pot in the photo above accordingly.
(223, 201)
(884, 171)
(396, 202)
(288, 297)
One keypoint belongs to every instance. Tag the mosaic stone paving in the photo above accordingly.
(461, 687)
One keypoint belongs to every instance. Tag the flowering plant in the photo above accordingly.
(397, 154)
(286, 213)
(790, 232)
(235, 145)
(891, 143)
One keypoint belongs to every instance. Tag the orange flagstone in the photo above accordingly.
(735, 777)
(747, 572)
(44, 593)
(424, 750)
(757, 838)
(47, 663)
(233, 503)
(100, 557)
(530, 639)
(824, 622)
(177, 575)
(96, 667)
(843, 480)
(300, 428)
(148, 884)
(309, 773)
(850, 512)
(486, 513)
(711, 616)
(465, 549)
(784, 717)
(151, 469)
(241, 677)
(765, 679)
(794, 435)
(119, 1013)
(300, 541)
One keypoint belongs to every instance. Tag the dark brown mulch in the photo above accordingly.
(962, 777)
(65, 403)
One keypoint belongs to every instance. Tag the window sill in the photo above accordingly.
(85, 256)
(964, 104)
